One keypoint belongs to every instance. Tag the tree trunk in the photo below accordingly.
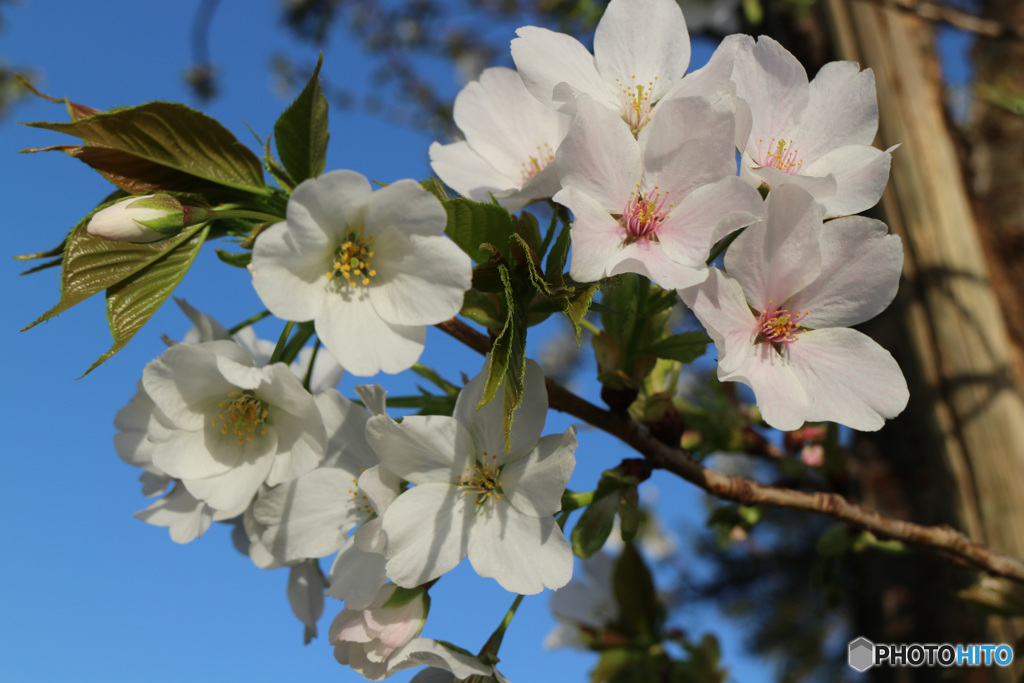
(965, 423)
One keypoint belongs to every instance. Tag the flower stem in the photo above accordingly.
(489, 652)
(294, 346)
(279, 349)
(309, 371)
(722, 245)
(589, 326)
(241, 213)
(247, 322)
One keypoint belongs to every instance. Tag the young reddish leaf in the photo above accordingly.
(130, 173)
(175, 136)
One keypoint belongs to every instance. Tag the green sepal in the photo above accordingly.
(301, 132)
(133, 300)
(239, 260)
(403, 596)
(172, 136)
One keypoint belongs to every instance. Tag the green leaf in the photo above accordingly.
(240, 260)
(92, 264)
(43, 266)
(507, 366)
(574, 302)
(641, 613)
(527, 229)
(49, 253)
(434, 186)
(480, 308)
(629, 512)
(134, 300)
(594, 526)
(172, 135)
(301, 132)
(472, 224)
(685, 347)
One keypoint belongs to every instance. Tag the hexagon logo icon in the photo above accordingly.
(862, 654)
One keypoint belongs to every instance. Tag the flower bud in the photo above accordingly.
(365, 639)
(145, 219)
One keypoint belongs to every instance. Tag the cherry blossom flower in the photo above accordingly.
(641, 53)
(586, 602)
(471, 497)
(186, 517)
(225, 427)
(653, 205)
(366, 638)
(447, 664)
(641, 50)
(371, 269)
(311, 516)
(780, 318)
(511, 140)
(817, 135)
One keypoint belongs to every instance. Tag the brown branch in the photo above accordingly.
(944, 539)
(944, 14)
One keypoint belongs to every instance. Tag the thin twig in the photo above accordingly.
(944, 539)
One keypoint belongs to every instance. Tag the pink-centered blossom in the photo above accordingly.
(817, 135)
(780, 319)
(655, 204)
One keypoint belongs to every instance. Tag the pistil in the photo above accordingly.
(644, 214)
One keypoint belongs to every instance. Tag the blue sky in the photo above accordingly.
(91, 593)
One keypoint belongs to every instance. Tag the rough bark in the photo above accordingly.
(967, 412)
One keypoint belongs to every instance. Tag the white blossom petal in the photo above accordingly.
(849, 378)
(523, 554)
(428, 531)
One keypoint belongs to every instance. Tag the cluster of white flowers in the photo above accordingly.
(645, 158)
(648, 169)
